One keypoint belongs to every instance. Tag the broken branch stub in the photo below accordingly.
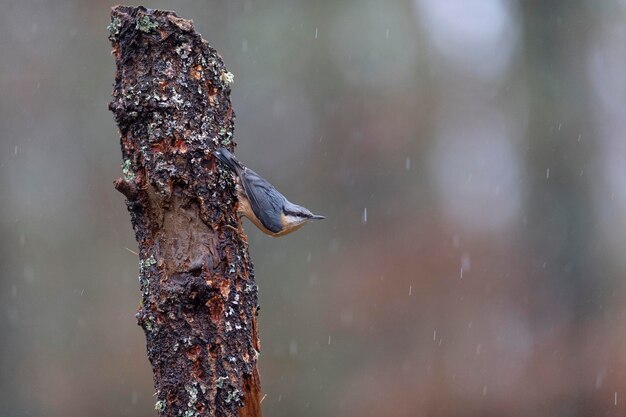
(171, 101)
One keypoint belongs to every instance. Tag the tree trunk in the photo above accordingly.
(171, 103)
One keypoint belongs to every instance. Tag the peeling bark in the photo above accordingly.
(171, 101)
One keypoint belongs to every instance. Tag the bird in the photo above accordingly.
(262, 203)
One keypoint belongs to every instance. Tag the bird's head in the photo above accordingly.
(294, 217)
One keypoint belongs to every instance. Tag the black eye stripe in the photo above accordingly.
(294, 213)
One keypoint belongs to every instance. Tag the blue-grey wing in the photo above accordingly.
(266, 202)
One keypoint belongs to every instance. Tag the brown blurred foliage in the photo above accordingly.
(469, 157)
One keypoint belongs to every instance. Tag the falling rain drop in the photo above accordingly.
(364, 217)
(466, 262)
(407, 164)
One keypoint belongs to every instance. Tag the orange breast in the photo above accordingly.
(244, 209)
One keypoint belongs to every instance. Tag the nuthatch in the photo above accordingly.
(260, 202)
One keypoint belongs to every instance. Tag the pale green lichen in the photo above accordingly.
(146, 263)
(227, 78)
(221, 380)
(227, 140)
(226, 137)
(160, 406)
(114, 26)
(144, 24)
(233, 396)
(149, 323)
(145, 283)
(127, 170)
(192, 391)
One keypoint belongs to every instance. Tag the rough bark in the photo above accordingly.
(171, 103)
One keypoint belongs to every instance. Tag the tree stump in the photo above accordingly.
(171, 101)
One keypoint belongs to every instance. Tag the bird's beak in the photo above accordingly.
(316, 217)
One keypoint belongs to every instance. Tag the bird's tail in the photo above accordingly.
(229, 160)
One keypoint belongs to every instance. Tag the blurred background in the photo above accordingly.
(469, 155)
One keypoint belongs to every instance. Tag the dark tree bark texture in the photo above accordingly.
(171, 101)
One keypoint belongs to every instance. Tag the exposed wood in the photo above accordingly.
(171, 102)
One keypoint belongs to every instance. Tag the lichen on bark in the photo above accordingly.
(171, 101)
